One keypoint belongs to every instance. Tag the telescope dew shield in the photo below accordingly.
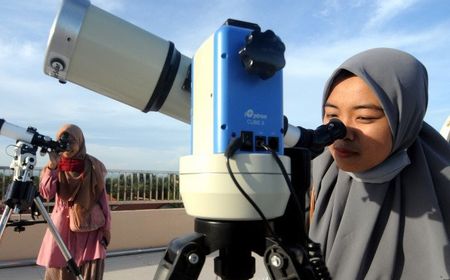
(101, 52)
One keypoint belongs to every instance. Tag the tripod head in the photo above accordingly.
(21, 192)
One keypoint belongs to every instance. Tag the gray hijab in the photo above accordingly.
(392, 221)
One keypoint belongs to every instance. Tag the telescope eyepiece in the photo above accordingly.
(63, 143)
(336, 129)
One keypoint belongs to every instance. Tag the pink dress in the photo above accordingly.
(83, 246)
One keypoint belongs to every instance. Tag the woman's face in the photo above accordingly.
(368, 141)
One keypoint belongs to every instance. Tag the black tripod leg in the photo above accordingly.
(67, 256)
(183, 259)
(4, 220)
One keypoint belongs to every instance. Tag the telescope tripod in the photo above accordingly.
(287, 251)
(22, 193)
(184, 258)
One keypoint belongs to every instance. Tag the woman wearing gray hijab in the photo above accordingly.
(380, 203)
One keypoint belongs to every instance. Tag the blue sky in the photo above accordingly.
(319, 35)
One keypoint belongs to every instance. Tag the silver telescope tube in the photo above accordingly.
(15, 132)
(99, 51)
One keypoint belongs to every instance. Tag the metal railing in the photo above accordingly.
(141, 185)
(123, 185)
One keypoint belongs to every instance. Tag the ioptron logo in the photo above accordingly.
(255, 118)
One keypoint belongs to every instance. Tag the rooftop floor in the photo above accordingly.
(131, 267)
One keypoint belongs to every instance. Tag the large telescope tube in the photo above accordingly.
(101, 52)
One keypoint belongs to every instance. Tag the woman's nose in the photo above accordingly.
(350, 130)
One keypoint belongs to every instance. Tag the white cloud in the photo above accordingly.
(15, 52)
(318, 59)
(388, 9)
(330, 7)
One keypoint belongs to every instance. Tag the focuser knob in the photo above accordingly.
(263, 54)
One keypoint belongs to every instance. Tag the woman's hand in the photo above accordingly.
(53, 160)
(106, 238)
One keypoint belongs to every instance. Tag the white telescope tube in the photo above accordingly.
(15, 132)
(101, 52)
(291, 137)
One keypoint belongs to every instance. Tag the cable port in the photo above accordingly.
(247, 141)
(273, 143)
(259, 142)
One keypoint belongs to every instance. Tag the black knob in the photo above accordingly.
(263, 54)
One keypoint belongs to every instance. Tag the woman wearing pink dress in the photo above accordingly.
(76, 180)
